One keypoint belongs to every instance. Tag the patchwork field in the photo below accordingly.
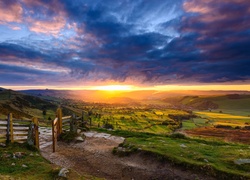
(208, 133)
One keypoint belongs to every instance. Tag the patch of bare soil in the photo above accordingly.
(94, 157)
(232, 135)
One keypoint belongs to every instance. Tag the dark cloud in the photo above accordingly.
(152, 42)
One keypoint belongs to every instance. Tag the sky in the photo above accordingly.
(160, 44)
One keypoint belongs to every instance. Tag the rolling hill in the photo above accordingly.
(24, 106)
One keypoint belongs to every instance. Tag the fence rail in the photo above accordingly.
(16, 130)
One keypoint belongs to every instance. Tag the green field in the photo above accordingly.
(216, 118)
(150, 128)
(136, 119)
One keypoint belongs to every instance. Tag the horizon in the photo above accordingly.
(130, 88)
(125, 45)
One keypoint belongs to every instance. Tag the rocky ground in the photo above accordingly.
(94, 157)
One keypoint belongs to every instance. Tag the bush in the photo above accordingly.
(108, 126)
(178, 136)
(223, 126)
(67, 136)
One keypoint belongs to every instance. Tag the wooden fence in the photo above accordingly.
(64, 124)
(15, 130)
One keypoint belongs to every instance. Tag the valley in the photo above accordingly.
(208, 132)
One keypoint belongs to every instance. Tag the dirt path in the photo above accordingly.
(94, 157)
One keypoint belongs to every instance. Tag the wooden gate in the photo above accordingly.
(54, 133)
(60, 124)
(56, 127)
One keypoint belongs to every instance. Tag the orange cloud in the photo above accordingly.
(10, 13)
(47, 27)
(214, 10)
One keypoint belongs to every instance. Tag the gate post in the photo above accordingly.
(59, 116)
(8, 130)
(36, 132)
(54, 133)
(73, 124)
(10, 126)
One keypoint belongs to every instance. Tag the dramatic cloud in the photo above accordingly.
(146, 42)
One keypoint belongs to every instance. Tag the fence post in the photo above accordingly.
(59, 116)
(54, 133)
(8, 130)
(90, 122)
(11, 128)
(73, 124)
(36, 132)
(82, 120)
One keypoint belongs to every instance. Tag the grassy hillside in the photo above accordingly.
(213, 157)
(25, 106)
(27, 164)
(232, 103)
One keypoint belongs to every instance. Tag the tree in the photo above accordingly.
(44, 112)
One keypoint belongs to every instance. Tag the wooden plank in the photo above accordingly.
(55, 121)
(17, 127)
(17, 135)
(11, 128)
(66, 117)
(54, 135)
(2, 140)
(66, 121)
(22, 120)
(59, 116)
(2, 135)
(78, 118)
(21, 140)
(3, 128)
(21, 125)
(21, 131)
(8, 132)
(35, 121)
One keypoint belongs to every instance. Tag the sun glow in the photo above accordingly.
(114, 88)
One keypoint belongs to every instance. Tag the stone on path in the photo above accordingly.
(183, 146)
(79, 139)
(24, 166)
(242, 161)
(63, 172)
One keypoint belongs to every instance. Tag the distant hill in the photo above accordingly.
(23, 105)
(205, 99)
(228, 101)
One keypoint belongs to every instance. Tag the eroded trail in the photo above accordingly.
(94, 157)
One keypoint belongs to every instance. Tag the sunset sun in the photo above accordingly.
(114, 88)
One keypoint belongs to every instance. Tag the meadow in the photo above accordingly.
(215, 141)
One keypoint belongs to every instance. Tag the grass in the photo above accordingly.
(37, 166)
(212, 156)
(188, 124)
(224, 119)
(137, 119)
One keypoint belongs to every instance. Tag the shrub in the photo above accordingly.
(178, 136)
(68, 136)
